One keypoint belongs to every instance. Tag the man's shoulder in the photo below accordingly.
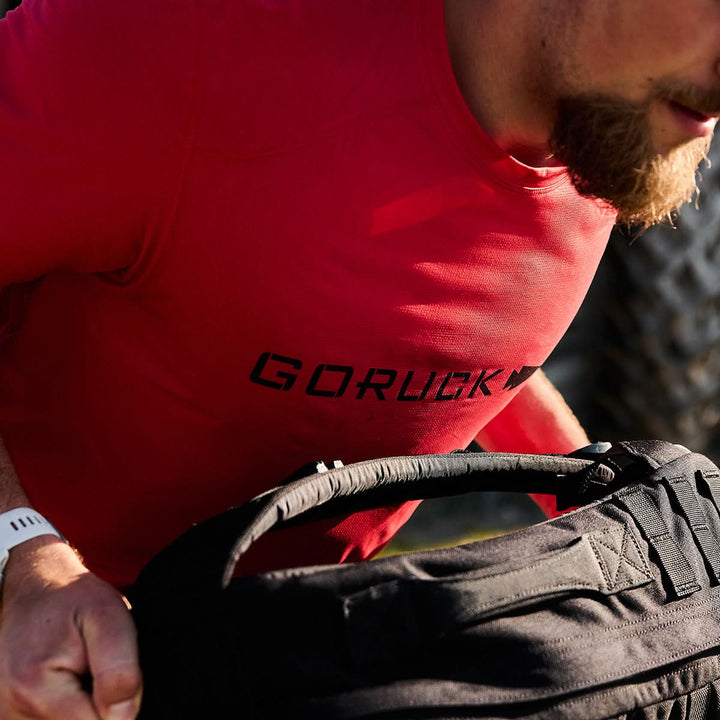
(109, 29)
(98, 58)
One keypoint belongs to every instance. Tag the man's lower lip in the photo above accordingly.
(691, 122)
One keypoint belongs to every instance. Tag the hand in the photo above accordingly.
(60, 622)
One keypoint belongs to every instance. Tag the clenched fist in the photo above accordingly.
(59, 624)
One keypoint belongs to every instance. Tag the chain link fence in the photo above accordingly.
(642, 359)
(6, 5)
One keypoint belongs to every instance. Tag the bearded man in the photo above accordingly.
(243, 234)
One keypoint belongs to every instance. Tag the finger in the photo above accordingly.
(47, 694)
(72, 702)
(110, 640)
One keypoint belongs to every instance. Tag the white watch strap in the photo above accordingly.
(21, 524)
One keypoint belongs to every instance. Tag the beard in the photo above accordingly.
(606, 144)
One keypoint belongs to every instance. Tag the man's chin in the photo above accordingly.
(643, 190)
(606, 144)
(663, 185)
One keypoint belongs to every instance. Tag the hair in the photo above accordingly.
(607, 146)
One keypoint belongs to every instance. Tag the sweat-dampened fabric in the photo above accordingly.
(609, 611)
(237, 234)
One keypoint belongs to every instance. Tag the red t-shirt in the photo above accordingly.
(239, 235)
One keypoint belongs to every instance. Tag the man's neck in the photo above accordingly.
(498, 58)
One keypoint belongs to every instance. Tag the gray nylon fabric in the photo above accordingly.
(577, 618)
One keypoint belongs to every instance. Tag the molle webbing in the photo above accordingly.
(711, 478)
(638, 502)
(687, 498)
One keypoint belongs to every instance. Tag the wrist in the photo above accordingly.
(40, 564)
(22, 532)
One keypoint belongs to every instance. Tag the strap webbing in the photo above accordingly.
(645, 512)
(712, 480)
(689, 501)
(705, 702)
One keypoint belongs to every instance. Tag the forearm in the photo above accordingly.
(59, 623)
(12, 494)
(537, 420)
(22, 559)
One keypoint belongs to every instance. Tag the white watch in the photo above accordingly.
(19, 525)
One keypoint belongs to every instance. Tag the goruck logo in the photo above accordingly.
(286, 374)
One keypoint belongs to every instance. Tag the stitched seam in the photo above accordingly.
(545, 560)
(622, 559)
(645, 568)
(605, 693)
(658, 615)
(596, 640)
(600, 678)
(682, 481)
(601, 562)
(532, 593)
(552, 557)
(639, 634)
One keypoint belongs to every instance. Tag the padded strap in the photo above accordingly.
(377, 483)
(207, 553)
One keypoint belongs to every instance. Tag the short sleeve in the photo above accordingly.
(96, 108)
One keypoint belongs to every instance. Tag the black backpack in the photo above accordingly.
(609, 611)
